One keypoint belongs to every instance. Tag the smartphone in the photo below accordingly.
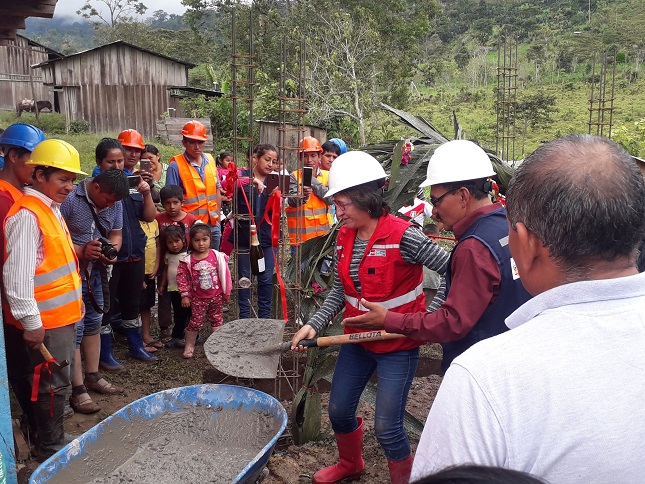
(134, 181)
(144, 165)
(275, 180)
(307, 172)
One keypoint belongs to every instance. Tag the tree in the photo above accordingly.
(462, 57)
(118, 11)
(342, 83)
(535, 111)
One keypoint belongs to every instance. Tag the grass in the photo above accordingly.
(475, 111)
(53, 124)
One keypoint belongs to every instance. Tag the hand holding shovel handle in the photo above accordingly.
(342, 339)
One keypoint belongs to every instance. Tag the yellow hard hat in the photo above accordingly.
(57, 154)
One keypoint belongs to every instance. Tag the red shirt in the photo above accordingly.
(165, 221)
(475, 283)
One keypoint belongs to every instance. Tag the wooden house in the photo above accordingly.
(116, 86)
(18, 80)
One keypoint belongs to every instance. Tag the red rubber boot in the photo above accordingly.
(351, 465)
(400, 470)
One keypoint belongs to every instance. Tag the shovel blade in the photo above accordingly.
(246, 348)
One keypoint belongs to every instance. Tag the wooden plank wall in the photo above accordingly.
(119, 87)
(269, 134)
(15, 61)
(169, 129)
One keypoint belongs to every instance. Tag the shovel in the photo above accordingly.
(251, 348)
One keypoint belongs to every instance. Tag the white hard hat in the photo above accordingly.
(457, 160)
(352, 169)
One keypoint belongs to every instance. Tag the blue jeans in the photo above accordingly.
(91, 322)
(216, 236)
(265, 284)
(354, 367)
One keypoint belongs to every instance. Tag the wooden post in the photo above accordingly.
(6, 432)
(31, 81)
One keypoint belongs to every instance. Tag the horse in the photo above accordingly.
(30, 106)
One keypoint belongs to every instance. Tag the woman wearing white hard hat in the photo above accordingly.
(381, 258)
(482, 283)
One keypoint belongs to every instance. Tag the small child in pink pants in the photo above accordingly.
(204, 282)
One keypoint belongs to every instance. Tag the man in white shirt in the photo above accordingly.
(561, 395)
(43, 286)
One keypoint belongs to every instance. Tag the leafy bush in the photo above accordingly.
(50, 123)
(80, 126)
(631, 137)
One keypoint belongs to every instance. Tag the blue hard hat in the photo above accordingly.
(341, 144)
(22, 135)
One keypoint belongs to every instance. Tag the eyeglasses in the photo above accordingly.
(436, 201)
(341, 205)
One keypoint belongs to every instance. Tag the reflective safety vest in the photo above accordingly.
(200, 197)
(316, 219)
(13, 192)
(385, 277)
(57, 283)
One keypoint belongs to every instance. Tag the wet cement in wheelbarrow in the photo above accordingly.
(195, 444)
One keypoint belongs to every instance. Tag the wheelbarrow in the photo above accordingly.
(229, 431)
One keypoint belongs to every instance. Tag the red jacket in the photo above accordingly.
(385, 278)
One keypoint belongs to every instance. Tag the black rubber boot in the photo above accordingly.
(51, 434)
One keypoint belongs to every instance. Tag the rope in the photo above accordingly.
(36, 384)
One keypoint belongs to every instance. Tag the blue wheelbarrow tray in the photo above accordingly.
(225, 430)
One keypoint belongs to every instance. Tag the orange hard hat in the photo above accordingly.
(194, 130)
(131, 138)
(309, 144)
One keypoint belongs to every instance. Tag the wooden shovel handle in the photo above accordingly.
(350, 338)
(45, 352)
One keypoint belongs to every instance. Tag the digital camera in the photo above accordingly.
(107, 248)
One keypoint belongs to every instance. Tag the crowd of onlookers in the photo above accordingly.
(539, 306)
(142, 233)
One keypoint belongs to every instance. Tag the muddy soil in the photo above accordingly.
(289, 463)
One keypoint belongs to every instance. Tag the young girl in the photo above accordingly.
(204, 284)
(173, 241)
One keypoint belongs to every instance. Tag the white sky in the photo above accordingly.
(68, 8)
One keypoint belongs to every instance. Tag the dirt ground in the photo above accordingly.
(289, 463)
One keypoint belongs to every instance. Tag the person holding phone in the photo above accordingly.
(315, 219)
(264, 156)
(129, 270)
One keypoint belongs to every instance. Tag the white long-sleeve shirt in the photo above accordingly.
(25, 252)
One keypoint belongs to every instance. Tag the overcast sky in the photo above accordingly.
(68, 8)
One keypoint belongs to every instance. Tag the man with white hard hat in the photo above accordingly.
(482, 283)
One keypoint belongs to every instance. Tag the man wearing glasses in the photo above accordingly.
(196, 173)
(482, 283)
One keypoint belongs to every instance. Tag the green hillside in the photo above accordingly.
(427, 57)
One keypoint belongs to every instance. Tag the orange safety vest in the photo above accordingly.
(200, 196)
(57, 283)
(316, 219)
(13, 192)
